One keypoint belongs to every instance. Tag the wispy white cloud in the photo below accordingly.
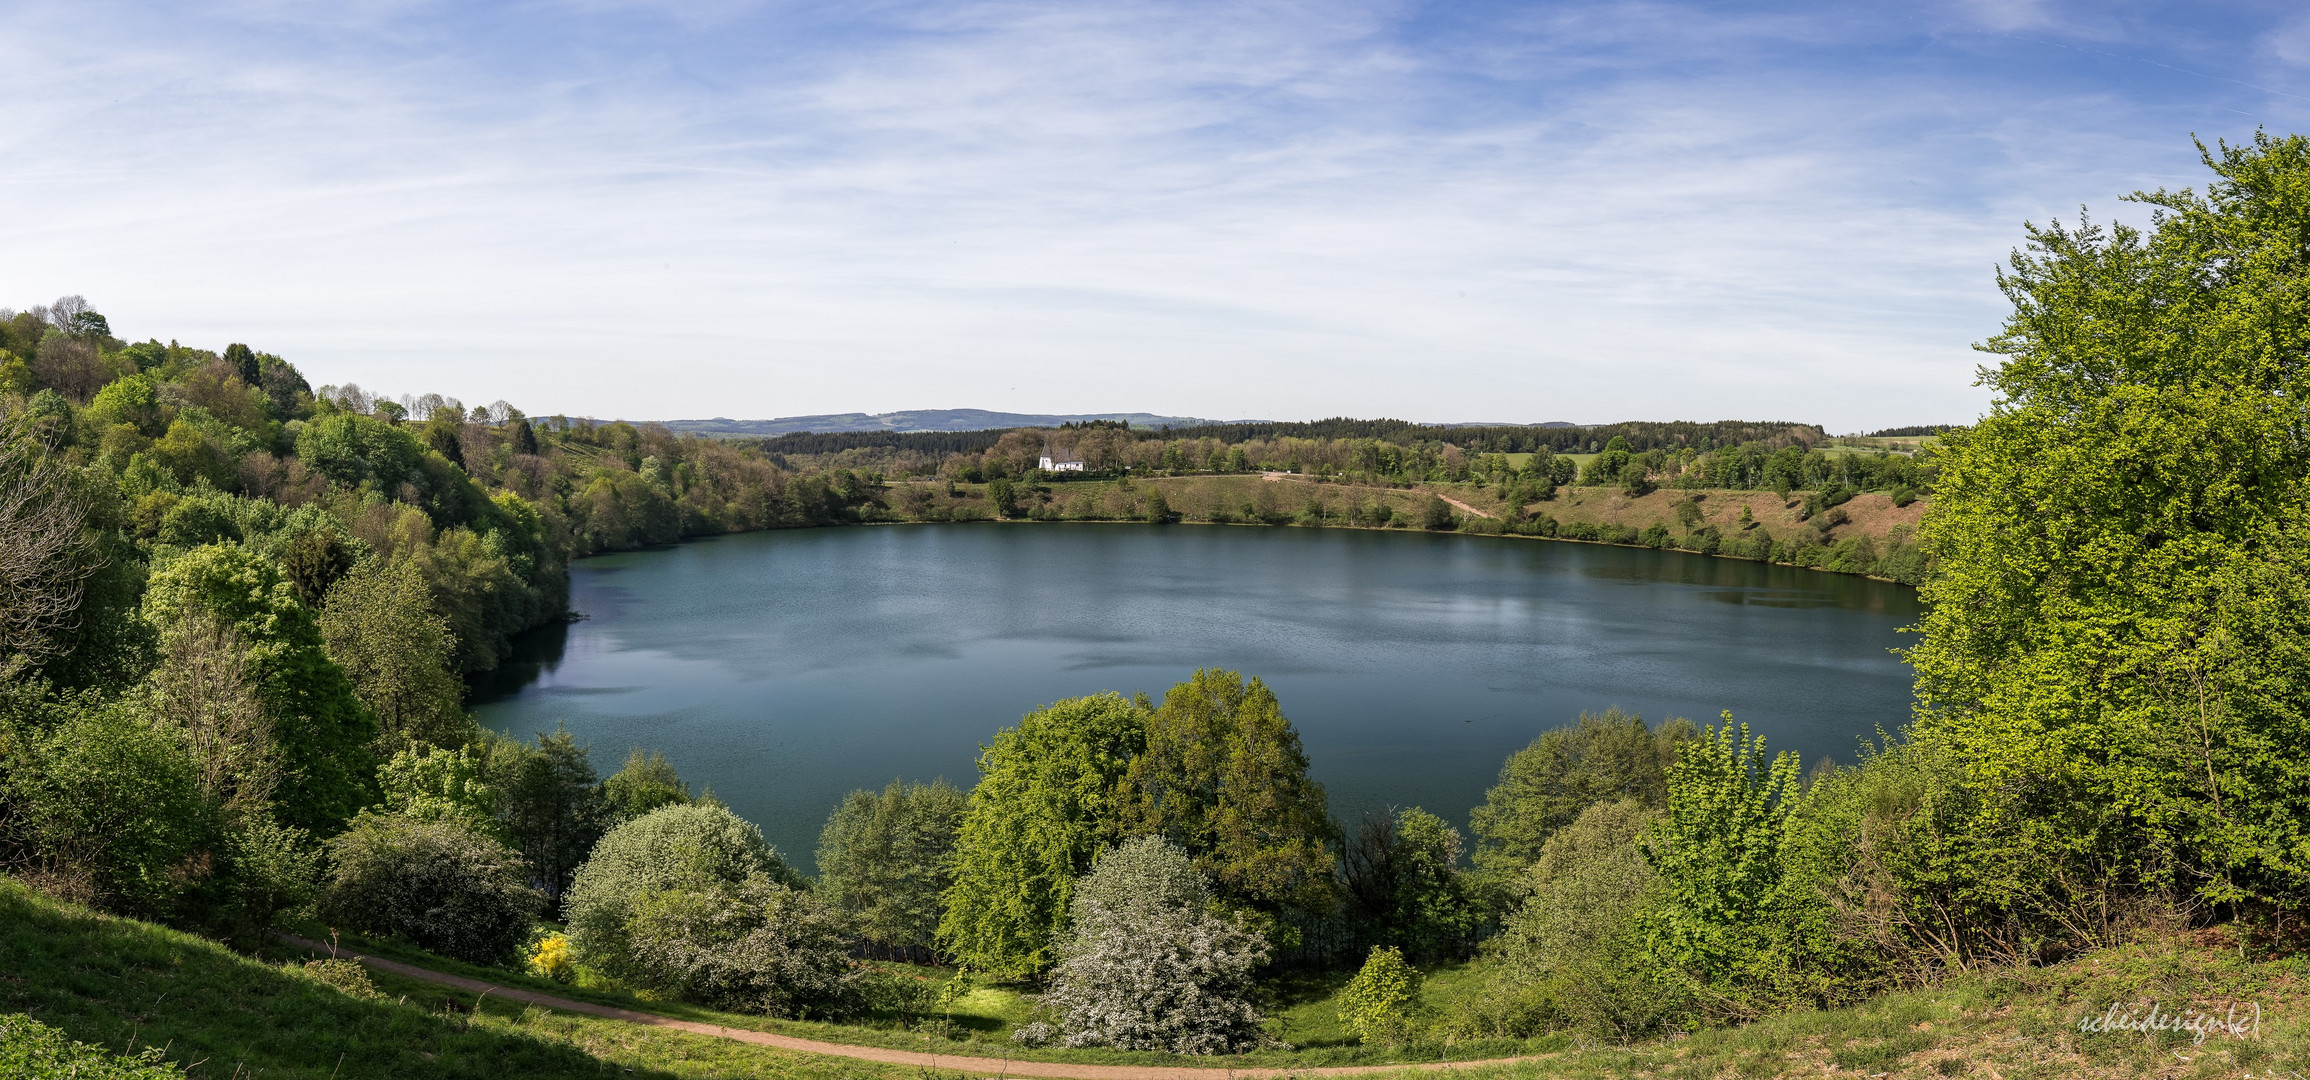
(1579, 212)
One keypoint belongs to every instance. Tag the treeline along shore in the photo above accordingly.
(1770, 492)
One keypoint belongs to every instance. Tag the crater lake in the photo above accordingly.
(783, 669)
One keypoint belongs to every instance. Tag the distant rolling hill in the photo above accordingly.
(924, 420)
(960, 420)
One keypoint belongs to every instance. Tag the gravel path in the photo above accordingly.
(987, 1066)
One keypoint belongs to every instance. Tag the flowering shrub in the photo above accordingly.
(438, 885)
(682, 848)
(1149, 966)
(758, 946)
(551, 958)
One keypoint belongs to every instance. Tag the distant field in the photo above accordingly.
(1516, 461)
(1245, 497)
(1906, 444)
(1873, 515)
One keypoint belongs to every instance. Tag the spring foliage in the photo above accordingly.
(1148, 964)
(1573, 953)
(32, 1050)
(885, 858)
(2117, 644)
(1222, 775)
(758, 945)
(439, 885)
(1046, 790)
(680, 848)
(1545, 786)
(1380, 1003)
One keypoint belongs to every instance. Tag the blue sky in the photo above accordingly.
(1462, 211)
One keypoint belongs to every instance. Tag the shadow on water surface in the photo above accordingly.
(536, 653)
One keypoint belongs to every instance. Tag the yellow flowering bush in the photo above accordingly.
(551, 959)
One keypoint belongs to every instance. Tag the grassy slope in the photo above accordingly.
(1872, 515)
(1197, 496)
(1306, 1011)
(112, 981)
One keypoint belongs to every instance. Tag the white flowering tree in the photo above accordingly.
(1149, 965)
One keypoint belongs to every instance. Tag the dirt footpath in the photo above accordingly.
(986, 1066)
(1464, 507)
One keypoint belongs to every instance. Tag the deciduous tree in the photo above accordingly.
(644, 783)
(1543, 787)
(379, 625)
(323, 730)
(885, 860)
(1048, 790)
(1224, 777)
(2117, 644)
(44, 556)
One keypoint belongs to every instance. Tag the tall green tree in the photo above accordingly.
(2115, 645)
(1223, 776)
(550, 803)
(243, 361)
(885, 859)
(1403, 875)
(1546, 785)
(379, 625)
(1048, 790)
(644, 783)
(322, 730)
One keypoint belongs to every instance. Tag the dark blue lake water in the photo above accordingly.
(786, 668)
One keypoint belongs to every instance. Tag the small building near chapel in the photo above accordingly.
(1057, 460)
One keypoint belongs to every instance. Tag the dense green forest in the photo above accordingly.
(235, 610)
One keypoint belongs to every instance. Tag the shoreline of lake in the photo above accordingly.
(1256, 525)
(784, 668)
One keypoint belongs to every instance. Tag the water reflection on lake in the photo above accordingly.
(786, 668)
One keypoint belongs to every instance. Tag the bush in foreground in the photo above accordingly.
(31, 1050)
(759, 946)
(1148, 965)
(439, 885)
(1378, 1004)
(687, 847)
(1573, 954)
